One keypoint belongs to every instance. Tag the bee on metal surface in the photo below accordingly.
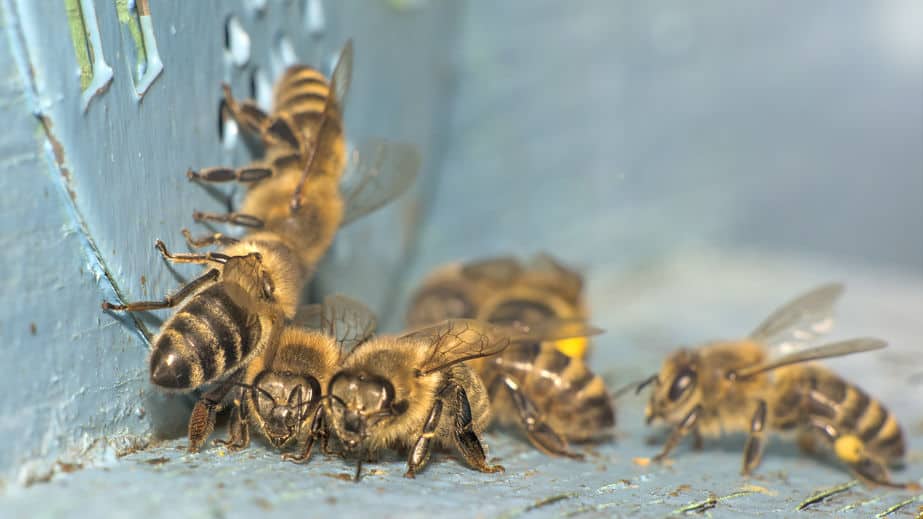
(416, 392)
(762, 383)
(295, 190)
(237, 307)
(280, 391)
(543, 288)
(554, 397)
(224, 318)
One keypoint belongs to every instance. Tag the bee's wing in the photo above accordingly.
(309, 316)
(834, 349)
(382, 172)
(342, 75)
(347, 320)
(458, 340)
(803, 319)
(550, 330)
(499, 270)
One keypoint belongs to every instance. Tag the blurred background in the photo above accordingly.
(699, 164)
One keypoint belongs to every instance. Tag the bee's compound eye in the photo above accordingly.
(268, 287)
(681, 384)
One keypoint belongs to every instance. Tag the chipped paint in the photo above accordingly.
(890, 510)
(130, 20)
(95, 73)
(58, 162)
(698, 506)
(78, 38)
(825, 493)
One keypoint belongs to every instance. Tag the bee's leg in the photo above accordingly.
(201, 424)
(247, 114)
(318, 430)
(679, 432)
(243, 220)
(238, 428)
(169, 301)
(213, 257)
(698, 443)
(753, 451)
(205, 241)
(202, 419)
(466, 439)
(358, 475)
(325, 446)
(420, 451)
(542, 436)
(220, 174)
(807, 440)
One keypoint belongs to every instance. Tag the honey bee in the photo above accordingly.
(553, 396)
(238, 307)
(415, 391)
(294, 191)
(761, 384)
(225, 317)
(281, 390)
(544, 288)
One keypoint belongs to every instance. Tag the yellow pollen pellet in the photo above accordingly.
(849, 448)
(574, 347)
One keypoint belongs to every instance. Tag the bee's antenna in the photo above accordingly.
(358, 475)
(646, 382)
(253, 388)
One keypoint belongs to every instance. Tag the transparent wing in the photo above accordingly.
(381, 173)
(497, 270)
(342, 75)
(347, 320)
(799, 321)
(826, 351)
(458, 340)
(550, 330)
(309, 316)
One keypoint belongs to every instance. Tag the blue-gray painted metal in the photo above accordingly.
(93, 177)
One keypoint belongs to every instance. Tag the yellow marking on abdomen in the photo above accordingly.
(574, 348)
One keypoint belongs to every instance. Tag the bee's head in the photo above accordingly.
(358, 403)
(676, 388)
(285, 402)
(524, 310)
(440, 302)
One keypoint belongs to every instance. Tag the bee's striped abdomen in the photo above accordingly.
(852, 411)
(204, 340)
(521, 310)
(572, 399)
(578, 404)
(445, 301)
(303, 95)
